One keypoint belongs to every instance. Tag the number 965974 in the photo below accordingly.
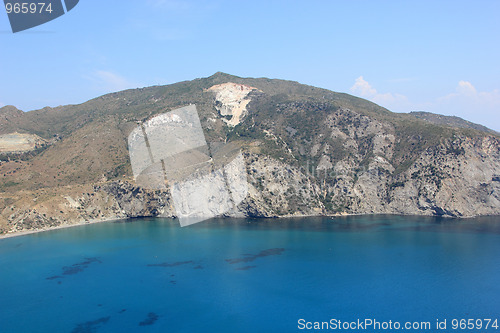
(28, 8)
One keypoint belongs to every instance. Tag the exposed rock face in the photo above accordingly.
(278, 189)
(306, 152)
(108, 201)
(457, 183)
(136, 202)
(231, 100)
(460, 183)
(17, 142)
(31, 219)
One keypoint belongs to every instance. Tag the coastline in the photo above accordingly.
(63, 226)
(111, 219)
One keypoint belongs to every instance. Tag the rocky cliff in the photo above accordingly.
(307, 151)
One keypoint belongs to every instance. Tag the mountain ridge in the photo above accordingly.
(264, 83)
(344, 155)
(452, 121)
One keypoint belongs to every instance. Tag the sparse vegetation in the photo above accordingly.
(294, 124)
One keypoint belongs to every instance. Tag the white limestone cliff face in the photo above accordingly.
(231, 100)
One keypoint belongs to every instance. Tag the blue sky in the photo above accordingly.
(438, 56)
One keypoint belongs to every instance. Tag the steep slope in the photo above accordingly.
(308, 151)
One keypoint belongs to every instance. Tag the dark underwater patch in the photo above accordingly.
(90, 326)
(245, 268)
(166, 264)
(75, 268)
(79, 267)
(150, 319)
(251, 257)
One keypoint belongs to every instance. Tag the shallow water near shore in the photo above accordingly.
(249, 275)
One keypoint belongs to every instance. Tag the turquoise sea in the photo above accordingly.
(250, 275)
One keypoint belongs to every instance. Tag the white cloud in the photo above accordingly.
(465, 91)
(477, 106)
(482, 107)
(363, 88)
(107, 81)
(466, 88)
(394, 102)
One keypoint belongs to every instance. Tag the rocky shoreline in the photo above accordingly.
(448, 185)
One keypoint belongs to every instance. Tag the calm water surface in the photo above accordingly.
(241, 275)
